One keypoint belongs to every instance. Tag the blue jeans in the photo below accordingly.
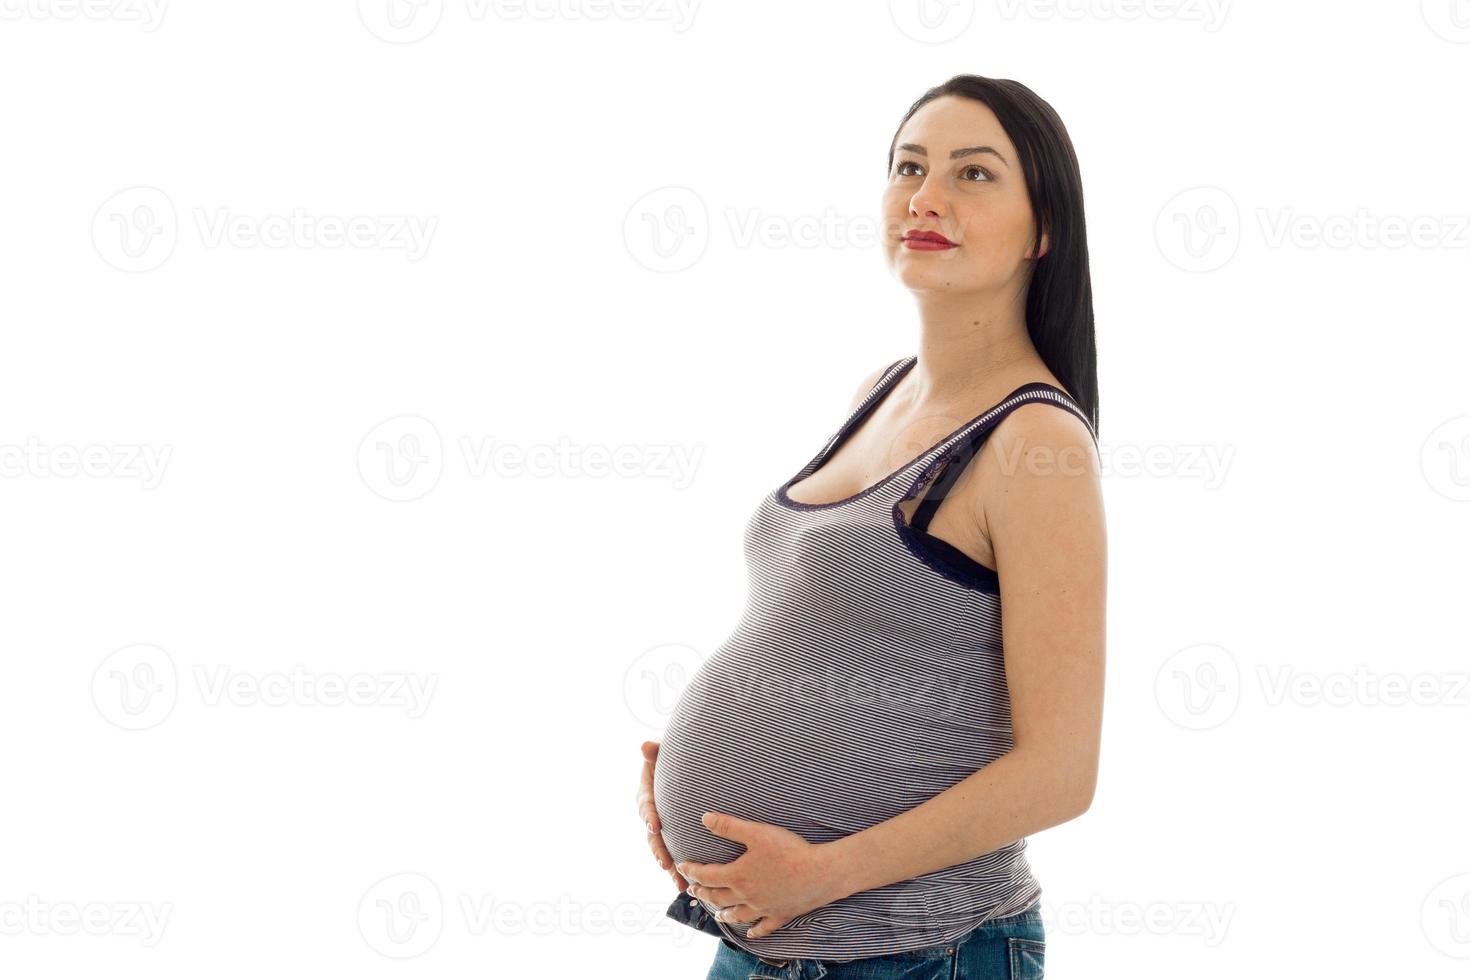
(1013, 948)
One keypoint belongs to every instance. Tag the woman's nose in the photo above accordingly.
(926, 203)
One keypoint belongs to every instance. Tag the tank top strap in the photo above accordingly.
(947, 461)
(890, 376)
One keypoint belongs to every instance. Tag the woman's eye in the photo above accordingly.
(974, 173)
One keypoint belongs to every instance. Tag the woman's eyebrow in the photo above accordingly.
(955, 154)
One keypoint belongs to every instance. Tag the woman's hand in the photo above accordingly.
(649, 815)
(780, 875)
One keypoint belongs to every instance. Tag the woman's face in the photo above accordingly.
(955, 172)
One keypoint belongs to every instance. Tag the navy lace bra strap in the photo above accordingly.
(924, 513)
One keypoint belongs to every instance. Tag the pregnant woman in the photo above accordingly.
(846, 784)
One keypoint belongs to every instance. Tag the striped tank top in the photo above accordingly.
(865, 676)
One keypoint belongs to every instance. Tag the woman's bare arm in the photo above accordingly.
(1043, 515)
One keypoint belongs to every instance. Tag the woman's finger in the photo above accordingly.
(648, 808)
(738, 913)
(718, 897)
(648, 813)
(765, 927)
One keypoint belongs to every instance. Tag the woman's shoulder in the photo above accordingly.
(1045, 420)
(866, 386)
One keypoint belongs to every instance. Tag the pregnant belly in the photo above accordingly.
(822, 755)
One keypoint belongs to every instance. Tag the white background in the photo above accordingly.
(336, 497)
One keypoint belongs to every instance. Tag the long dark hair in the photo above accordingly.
(1059, 297)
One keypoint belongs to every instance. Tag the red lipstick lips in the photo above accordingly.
(927, 241)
